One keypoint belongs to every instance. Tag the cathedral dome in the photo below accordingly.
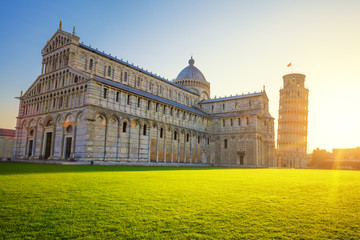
(191, 72)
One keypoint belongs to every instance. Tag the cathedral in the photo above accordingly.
(89, 106)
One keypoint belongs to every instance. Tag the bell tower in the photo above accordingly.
(293, 122)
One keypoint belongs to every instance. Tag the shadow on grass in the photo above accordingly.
(12, 168)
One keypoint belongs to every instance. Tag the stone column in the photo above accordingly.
(139, 142)
(185, 138)
(178, 148)
(73, 143)
(164, 136)
(149, 143)
(106, 126)
(53, 141)
(129, 124)
(62, 142)
(117, 141)
(256, 151)
(196, 151)
(190, 140)
(228, 149)
(41, 143)
(26, 141)
(236, 153)
(172, 146)
(34, 143)
(157, 142)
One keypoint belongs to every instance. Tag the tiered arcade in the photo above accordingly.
(293, 122)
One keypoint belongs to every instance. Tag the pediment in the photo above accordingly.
(33, 90)
(58, 40)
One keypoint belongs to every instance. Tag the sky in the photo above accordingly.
(240, 46)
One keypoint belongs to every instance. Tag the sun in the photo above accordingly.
(344, 127)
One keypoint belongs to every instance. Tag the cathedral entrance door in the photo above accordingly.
(241, 160)
(68, 147)
(48, 144)
(30, 148)
(241, 155)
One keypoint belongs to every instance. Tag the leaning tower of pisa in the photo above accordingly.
(293, 122)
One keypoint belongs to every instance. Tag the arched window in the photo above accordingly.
(125, 76)
(187, 137)
(91, 64)
(175, 135)
(231, 122)
(161, 132)
(109, 71)
(69, 129)
(105, 93)
(145, 127)
(198, 139)
(225, 143)
(124, 126)
(49, 123)
(138, 82)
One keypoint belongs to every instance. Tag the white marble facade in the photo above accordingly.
(90, 106)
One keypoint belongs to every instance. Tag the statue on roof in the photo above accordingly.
(60, 25)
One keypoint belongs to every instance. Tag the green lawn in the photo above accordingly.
(114, 202)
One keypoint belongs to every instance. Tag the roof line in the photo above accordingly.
(148, 95)
(136, 68)
(233, 97)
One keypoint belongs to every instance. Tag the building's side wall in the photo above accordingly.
(6, 147)
(97, 129)
(128, 76)
(240, 136)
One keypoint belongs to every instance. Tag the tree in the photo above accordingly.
(320, 159)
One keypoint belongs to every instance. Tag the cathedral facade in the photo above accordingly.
(90, 106)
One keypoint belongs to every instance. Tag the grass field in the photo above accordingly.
(114, 202)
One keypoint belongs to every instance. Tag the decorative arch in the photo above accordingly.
(49, 121)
